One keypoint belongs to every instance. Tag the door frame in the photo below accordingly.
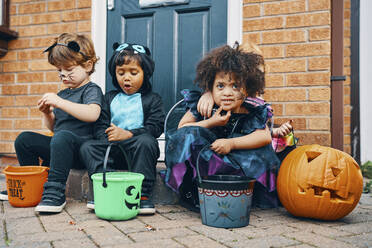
(98, 28)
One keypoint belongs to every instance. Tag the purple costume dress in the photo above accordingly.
(183, 147)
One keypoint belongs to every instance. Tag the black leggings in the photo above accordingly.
(60, 152)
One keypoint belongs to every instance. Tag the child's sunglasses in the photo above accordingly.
(135, 48)
(72, 45)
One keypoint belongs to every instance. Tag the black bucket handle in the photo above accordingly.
(232, 160)
(104, 183)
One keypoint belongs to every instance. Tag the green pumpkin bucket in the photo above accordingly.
(116, 194)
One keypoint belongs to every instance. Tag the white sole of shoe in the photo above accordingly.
(90, 206)
(3, 197)
(50, 209)
(146, 211)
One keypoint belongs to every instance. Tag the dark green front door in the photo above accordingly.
(177, 35)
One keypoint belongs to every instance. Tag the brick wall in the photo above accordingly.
(347, 71)
(25, 74)
(294, 36)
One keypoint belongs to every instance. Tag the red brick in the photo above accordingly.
(319, 34)
(19, 43)
(285, 95)
(20, 20)
(319, 63)
(32, 31)
(9, 56)
(308, 79)
(52, 76)
(251, 10)
(76, 15)
(263, 24)
(7, 147)
(8, 135)
(13, 9)
(278, 108)
(6, 101)
(61, 28)
(347, 149)
(14, 89)
(319, 123)
(32, 8)
(306, 20)
(314, 138)
(319, 94)
(61, 5)
(272, 51)
(305, 108)
(15, 66)
(252, 37)
(283, 36)
(28, 124)
(83, 26)
(284, 7)
(256, 1)
(346, 90)
(84, 3)
(41, 66)
(6, 124)
(14, 112)
(35, 112)
(46, 18)
(32, 54)
(274, 80)
(41, 42)
(6, 78)
(30, 77)
(286, 65)
(310, 49)
(43, 88)
(27, 100)
(297, 123)
(319, 5)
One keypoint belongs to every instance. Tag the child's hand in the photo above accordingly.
(283, 130)
(220, 120)
(115, 133)
(45, 108)
(222, 146)
(205, 104)
(50, 99)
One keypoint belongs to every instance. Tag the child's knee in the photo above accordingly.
(23, 138)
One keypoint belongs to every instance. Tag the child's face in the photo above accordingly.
(227, 93)
(74, 76)
(129, 77)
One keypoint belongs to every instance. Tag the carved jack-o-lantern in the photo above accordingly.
(319, 182)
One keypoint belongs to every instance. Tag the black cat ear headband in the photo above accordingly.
(72, 45)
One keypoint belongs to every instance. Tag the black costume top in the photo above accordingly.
(153, 113)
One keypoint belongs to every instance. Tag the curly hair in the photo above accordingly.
(247, 67)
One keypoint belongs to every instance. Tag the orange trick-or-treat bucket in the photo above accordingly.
(25, 184)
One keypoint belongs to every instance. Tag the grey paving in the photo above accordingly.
(174, 226)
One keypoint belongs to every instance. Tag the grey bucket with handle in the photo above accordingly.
(225, 200)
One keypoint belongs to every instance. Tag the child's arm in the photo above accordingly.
(257, 139)
(216, 120)
(205, 104)
(83, 112)
(48, 115)
(115, 133)
(283, 130)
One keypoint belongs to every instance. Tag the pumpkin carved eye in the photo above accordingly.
(319, 182)
(130, 191)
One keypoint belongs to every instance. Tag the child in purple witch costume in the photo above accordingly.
(236, 135)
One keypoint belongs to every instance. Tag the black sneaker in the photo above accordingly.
(4, 195)
(50, 206)
(146, 206)
(90, 205)
(54, 199)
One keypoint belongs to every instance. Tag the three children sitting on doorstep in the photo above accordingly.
(131, 117)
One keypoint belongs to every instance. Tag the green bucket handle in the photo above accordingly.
(104, 183)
